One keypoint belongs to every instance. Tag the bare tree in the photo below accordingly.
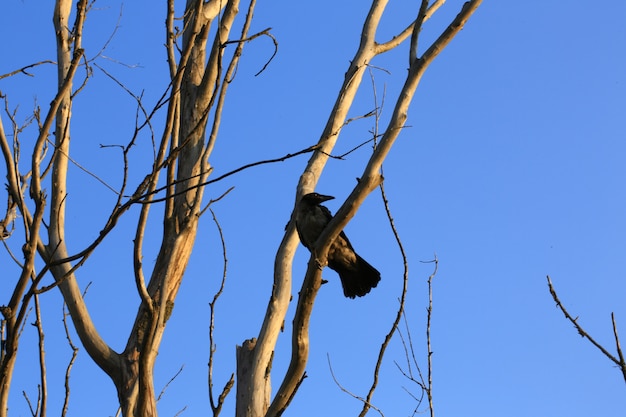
(202, 59)
(253, 385)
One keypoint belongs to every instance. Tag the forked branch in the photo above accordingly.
(369, 180)
(619, 361)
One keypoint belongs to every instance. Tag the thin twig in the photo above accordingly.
(180, 411)
(621, 363)
(42, 360)
(33, 411)
(405, 280)
(207, 207)
(140, 199)
(86, 171)
(265, 32)
(578, 327)
(167, 384)
(429, 389)
(106, 44)
(341, 387)
(410, 358)
(23, 69)
(220, 400)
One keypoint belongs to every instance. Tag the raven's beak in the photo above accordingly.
(325, 198)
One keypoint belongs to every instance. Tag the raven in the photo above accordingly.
(357, 276)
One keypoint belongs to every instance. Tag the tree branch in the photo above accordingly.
(366, 401)
(217, 407)
(619, 362)
(622, 362)
(23, 69)
(370, 179)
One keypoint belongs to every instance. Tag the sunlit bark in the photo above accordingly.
(200, 73)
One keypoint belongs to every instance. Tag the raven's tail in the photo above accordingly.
(357, 279)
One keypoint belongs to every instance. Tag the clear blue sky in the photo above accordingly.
(513, 168)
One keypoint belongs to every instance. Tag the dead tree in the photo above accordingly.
(255, 355)
(200, 71)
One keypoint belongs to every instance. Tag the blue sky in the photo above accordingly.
(512, 168)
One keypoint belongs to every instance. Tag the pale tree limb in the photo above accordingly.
(69, 54)
(619, 361)
(370, 179)
(55, 257)
(191, 98)
(281, 293)
(60, 110)
(409, 30)
(194, 113)
(186, 165)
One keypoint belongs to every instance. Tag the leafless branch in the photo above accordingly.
(402, 299)
(88, 172)
(360, 145)
(220, 91)
(68, 369)
(106, 44)
(168, 383)
(213, 201)
(147, 115)
(368, 181)
(410, 357)
(618, 346)
(405, 281)
(23, 69)
(43, 400)
(619, 362)
(421, 14)
(409, 354)
(265, 32)
(217, 407)
(35, 410)
(409, 30)
(140, 199)
(182, 410)
(64, 88)
(429, 390)
(365, 401)
(75, 349)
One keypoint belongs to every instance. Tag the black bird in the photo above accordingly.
(357, 276)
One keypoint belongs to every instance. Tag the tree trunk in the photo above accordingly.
(252, 401)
